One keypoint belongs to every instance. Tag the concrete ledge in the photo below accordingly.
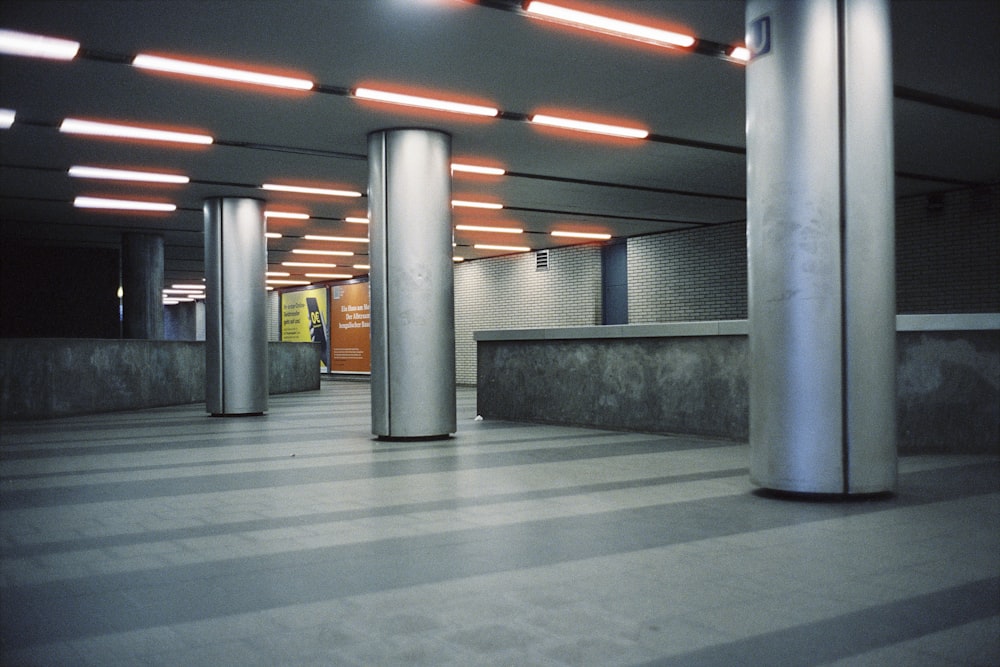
(693, 378)
(42, 378)
(923, 322)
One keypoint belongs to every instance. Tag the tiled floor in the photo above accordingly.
(166, 537)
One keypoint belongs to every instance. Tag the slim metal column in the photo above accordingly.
(820, 233)
(142, 286)
(236, 367)
(412, 284)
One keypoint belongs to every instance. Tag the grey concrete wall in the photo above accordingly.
(948, 386)
(47, 377)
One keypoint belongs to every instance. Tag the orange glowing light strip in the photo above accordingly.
(477, 169)
(78, 171)
(335, 239)
(498, 230)
(175, 66)
(582, 235)
(609, 26)
(14, 43)
(477, 204)
(588, 126)
(300, 189)
(511, 248)
(89, 127)
(122, 204)
(425, 102)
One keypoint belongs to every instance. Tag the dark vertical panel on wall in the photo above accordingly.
(614, 283)
(58, 292)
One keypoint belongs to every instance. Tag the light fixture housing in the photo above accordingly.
(308, 190)
(589, 126)
(609, 26)
(123, 204)
(118, 131)
(80, 171)
(388, 97)
(15, 43)
(190, 68)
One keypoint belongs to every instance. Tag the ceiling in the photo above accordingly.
(689, 173)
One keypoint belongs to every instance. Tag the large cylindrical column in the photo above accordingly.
(236, 367)
(820, 233)
(412, 284)
(142, 286)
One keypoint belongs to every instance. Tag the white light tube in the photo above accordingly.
(477, 204)
(309, 191)
(425, 102)
(330, 276)
(587, 126)
(122, 204)
(272, 235)
(126, 175)
(14, 43)
(288, 215)
(511, 248)
(361, 221)
(160, 64)
(362, 267)
(609, 26)
(7, 118)
(740, 53)
(456, 258)
(198, 288)
(338, 253)
(498, 230)
(477, 169)
(315, 265)
(582, 235)
(335, 239)
(277, 274)
(281, 281)
(77, 126)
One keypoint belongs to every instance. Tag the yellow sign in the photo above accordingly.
(304, 318)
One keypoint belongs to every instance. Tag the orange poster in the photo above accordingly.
(350, 328)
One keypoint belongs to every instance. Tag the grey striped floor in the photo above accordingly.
(166, 537)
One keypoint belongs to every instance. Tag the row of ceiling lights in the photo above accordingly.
(17, 43)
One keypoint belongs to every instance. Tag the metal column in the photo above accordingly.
(820, 233)
(412, 284)
(236, 367)
(142, 286)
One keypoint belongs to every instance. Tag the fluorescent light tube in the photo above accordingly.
(583, 235)
(315, 265)
(456, 258)
(477, 204)
(122, 204)
(77, 126)
(361, 221)
(338, 253)
(126, 175)
(341, 239)
(609, 26)
(498, 230)
(740, 53)
(362, 267)
(587, 126)
(277, 274)
(309, 190)
(14, 43)
(272, 235)
(289, 215)
(6, 118)
(175, 66)
(198, 288)
(281, 281)
(477, 169)
(425, 102)
(331, 276)
(511, 248)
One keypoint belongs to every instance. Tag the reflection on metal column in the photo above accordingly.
(412, 284)
(236, 367)
(820, 246)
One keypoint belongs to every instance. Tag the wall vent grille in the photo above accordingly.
(542, 260)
